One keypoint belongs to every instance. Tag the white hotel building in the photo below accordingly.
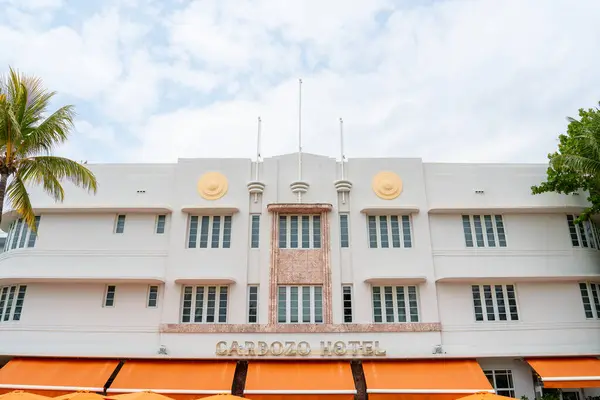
(398, 280)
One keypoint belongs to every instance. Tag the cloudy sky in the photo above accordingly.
(445, 80)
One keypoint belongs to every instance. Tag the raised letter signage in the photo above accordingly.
(293, 349)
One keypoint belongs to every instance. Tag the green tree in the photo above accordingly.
(576, 164)
(28, 134)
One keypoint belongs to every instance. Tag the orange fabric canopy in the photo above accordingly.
(174, 377)
(564, 373)
(51, 376)
(303, 379)
(424, 378)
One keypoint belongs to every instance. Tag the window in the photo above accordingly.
(109, 296)
(161, 220)
(300, 304)
(152, 296)
(255, 231)
(590, 296)
(20, 235)
(585, 234)
(204, 304)
(215, 231)
(502, 381)
(300, 231)
(252, 304)
(347, 303)
(120, 225)
(11, 302)
(489, 230)
(389, 231)
(344, 231)
(495, 303)
(395, 304)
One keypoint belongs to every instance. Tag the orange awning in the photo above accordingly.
(424, 379)
(173, 378)
(53, 377)
(564, 373)
(299, 380)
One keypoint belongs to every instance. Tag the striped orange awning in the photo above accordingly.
(54, 377)
(305, 379)
(424, 379)
(565, 373)
(173, 378)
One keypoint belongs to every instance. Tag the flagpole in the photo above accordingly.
(300, 136)
(342, 156)
(256, 174)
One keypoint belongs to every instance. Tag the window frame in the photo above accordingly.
(204, 304)
(495, 305)
(300, 307)
(105, 297)
(581, 232)
(116, 227)
(594, 299)
(149, 292)
(344, 232)
(201, 235)
(395, 309)
(157, 224)
(20, 236)
(486, 241)
(249, 300)
(255, 241)
(313, 221)
(8, 305)
(402, 242)
(509, 391)
(349, 292)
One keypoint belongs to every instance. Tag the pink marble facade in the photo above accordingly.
(301, 328)
(300, 266)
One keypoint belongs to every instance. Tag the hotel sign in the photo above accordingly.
(364, 348)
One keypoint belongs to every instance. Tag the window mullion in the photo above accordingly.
(311, 230)
(378, 230)
(288, 303)
(474, 233)
(288, 237)
(495, 230)
(483, 304)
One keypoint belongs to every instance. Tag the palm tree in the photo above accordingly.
(28, 134)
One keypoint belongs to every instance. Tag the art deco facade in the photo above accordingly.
(396, 279)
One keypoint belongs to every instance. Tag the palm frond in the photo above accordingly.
(52, 131)
(31, 171)
(59, 168)
(19, 199)
(582, 165)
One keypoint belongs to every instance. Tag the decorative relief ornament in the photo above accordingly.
(212, 185)
(387, 185)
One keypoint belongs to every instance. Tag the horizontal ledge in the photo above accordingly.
(374, 327)
(432, 391)
(207, 281)
(210, 210)
(292, 391)
(508, 209)
(509, 278)
(11, 215)
(396, 279)
(390, 210)
(84, 279)
(170, 391)
(300, 208)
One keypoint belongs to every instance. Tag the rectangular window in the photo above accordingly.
(300, 304)
(152, 296)
(501, 381)
(23, 236)
(11, 302)
(395, 304)
(9, 236)
(489, 230)
(215, 231)
(15, 239)
(585, 234)
(120, 225)
(204, 304)
(299, 231)
(161, 220)
(347, 303)
(590, 296)
(109, 296)
(494, 303)
(344, 231)
(387, 231)
(255, 231)
(252, 304)
(33, 234)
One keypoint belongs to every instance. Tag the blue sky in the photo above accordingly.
(445, 80)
